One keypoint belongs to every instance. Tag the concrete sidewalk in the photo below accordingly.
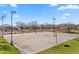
(32, 43)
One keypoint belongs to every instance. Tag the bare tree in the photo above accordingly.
(21, 26)
(6, 27)
(33, 25)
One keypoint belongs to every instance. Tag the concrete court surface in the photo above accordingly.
(32, 43)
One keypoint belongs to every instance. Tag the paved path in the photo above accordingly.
(32, 43)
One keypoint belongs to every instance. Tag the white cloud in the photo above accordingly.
(68, 7)
(65, 15)
(13, 5)
(16, 16)
(3, 5)
(53, 5)
(4, 12)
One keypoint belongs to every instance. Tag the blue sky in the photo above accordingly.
(42, 13)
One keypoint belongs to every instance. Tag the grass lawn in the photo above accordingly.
(6, 48)
(74, 32)
(70, 47)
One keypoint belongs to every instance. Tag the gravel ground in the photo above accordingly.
(32, 43)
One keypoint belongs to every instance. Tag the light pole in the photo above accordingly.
(70, 26)
(12, 12)
(2, 23)
(54, 26)
(55, 32)
(36, 27)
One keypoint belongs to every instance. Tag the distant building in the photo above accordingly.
(64, 28)
(77, 27)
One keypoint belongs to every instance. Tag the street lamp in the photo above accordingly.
(36, 27)
(2, 23)
(54, 26)
(70, 26)
(12, 12)
(55, 32)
